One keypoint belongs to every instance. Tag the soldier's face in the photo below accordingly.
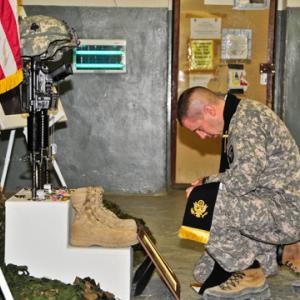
(209, 125)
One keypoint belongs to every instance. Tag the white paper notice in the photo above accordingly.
(205, 28)
(200, 79)
(218, 2)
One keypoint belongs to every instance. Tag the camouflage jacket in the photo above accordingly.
(262, 154)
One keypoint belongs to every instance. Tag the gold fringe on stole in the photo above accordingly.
(11, 81)
(194, 234)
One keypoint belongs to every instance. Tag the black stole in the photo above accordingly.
(231, 105)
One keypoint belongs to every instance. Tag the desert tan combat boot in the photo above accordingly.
(248, 284)
(87, 230)
(79, 196)
(291, 257)
(106, 215)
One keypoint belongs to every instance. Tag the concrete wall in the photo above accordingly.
(117, 123)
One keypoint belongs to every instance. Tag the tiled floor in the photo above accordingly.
(163, 214)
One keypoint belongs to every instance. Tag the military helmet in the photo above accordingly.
(44, 36)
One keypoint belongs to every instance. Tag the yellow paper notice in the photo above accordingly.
(201, 55)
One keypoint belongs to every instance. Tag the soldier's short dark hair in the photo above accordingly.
(184, 103)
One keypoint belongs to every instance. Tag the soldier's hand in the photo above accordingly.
(194, 183)
(197, 182)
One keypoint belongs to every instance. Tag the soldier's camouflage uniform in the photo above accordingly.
(258, 204)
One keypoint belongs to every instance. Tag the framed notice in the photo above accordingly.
(251, 4)
(237, 82)
(236, 44)
(205, 28)
(153, 261)
(201, 55)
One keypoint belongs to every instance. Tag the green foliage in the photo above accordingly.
(26, 287)
(140, 222)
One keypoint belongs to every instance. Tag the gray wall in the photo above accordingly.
(117, 123)
(291, 85)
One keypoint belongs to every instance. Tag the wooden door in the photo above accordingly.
(191, 157)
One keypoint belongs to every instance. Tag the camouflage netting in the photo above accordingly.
(26, 287)
(139, 252)
(140, 222)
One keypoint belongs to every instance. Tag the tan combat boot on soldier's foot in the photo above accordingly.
(87, 230)
(291, 257)
(248, 284)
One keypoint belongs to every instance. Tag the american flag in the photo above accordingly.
(11, 73)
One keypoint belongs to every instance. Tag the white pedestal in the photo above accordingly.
(37, 235)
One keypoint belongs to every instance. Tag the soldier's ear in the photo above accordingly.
(209, 110)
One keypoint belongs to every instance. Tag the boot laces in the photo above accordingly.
(233, 281)
(292, 267)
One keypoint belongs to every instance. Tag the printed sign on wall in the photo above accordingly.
(201, 55)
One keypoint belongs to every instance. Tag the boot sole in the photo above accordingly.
(296, 286)
(260, 293)
(84, 243)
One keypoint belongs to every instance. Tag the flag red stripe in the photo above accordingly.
(9, 24)
(1, 73)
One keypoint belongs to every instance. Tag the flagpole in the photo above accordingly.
(4, 287)
(7, 158)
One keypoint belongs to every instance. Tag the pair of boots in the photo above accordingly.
(94, 224)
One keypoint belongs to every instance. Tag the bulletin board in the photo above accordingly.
(196, 158)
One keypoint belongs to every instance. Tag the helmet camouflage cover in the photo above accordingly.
(44, 36)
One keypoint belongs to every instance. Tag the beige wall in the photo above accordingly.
(196, 158)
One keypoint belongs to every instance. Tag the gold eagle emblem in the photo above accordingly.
(200, 209)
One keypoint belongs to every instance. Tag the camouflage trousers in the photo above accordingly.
(248, 228)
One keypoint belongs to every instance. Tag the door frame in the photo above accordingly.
(174, 85)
